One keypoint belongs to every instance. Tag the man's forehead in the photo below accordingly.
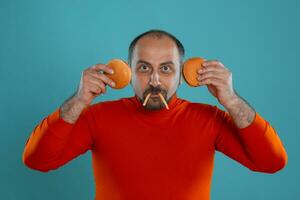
(156, 49)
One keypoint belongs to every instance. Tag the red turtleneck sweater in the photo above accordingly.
(140, 154)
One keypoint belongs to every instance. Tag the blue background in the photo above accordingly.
(45, 45)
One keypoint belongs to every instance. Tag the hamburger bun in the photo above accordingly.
(121, 75)
(190, 68)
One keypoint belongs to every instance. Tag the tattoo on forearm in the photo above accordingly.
(71, 109)
(241, 112)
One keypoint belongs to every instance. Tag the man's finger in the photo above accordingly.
(212, 62)
(104, 68)
(211, 68)
(94, 88)
(104, 78)
(211, 74)
(98, 83)
(212, 81)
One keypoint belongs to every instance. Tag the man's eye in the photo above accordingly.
(166, 69)
(143, 68)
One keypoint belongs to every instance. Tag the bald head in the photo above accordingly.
(156, 34)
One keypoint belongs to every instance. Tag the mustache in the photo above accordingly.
(155, 90)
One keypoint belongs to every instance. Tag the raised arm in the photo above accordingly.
(68, 131)
(54, 141)
(242, 133)
(256, 146)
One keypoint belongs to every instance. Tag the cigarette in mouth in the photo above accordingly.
(163, 100)
(146, 99)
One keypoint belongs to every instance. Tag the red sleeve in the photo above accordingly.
(54, 141)
(256, 146)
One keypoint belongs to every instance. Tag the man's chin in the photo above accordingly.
(153, 108)
(150, 107)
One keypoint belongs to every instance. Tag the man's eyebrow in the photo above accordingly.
(145, 62)
(166, 63)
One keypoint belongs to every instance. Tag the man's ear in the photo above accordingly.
(180, 75)
(180, 79)
(129, 65)
(131, 77)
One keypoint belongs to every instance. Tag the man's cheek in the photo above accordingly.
(142, 83)
(142, 88)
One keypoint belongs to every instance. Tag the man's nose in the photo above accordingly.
(154, 79)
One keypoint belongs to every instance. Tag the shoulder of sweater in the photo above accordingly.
(214, 111)
(104, 106)
(201, 107)
(107, 103)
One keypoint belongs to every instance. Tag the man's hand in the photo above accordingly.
(92, 84)
(218, 80)
(219, 83)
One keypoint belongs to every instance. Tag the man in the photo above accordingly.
(152, 152)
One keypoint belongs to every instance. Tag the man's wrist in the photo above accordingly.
(233, 103)
(72, 108)
(240, 111)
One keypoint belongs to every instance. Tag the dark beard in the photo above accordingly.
(154, 103)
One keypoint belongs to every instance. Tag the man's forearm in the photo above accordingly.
(71, 109)
(240, 111)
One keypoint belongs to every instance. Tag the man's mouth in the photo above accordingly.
(154, 95)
